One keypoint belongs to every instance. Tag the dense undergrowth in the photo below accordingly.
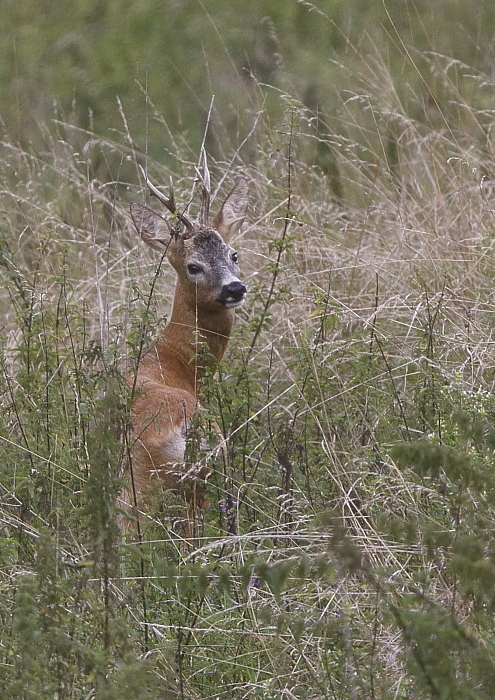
(347, 551)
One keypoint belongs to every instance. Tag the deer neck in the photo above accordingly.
(195, 338)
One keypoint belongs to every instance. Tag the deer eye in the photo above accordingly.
(234, 258)
(194, 269)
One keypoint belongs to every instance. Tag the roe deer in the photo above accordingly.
(207, 291)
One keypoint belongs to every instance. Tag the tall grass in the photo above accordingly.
(346, 552)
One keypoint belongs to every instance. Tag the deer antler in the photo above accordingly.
(203, 176)
(168, 202)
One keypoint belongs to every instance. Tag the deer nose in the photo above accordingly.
(232, 294)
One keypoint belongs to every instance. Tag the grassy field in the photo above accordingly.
(347, 552)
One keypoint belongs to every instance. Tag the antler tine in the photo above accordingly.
(168, 202)
(204, 178)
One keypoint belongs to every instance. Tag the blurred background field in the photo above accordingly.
(163, 60)
(347, 551)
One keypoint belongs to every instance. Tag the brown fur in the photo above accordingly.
(166, 386)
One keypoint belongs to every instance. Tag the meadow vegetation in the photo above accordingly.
(348, 548)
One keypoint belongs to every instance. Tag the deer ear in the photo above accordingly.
(233, 212)
(154, 230)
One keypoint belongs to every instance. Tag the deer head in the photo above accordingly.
(207, 267)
